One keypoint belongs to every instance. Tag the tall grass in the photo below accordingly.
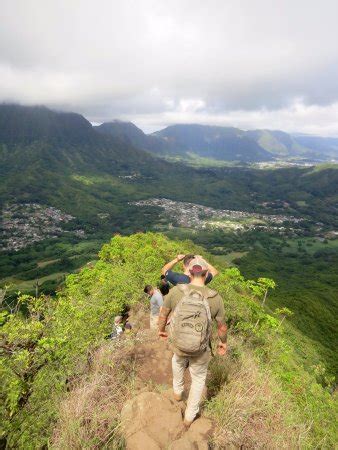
(89, 415)
(250, 409)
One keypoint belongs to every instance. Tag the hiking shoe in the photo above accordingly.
(187, 423)
(178, 397)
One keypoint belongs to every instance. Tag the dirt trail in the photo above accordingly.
(153, 419)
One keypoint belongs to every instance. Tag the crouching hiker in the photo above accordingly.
(156, 301)
(193, 307)
(117, 328)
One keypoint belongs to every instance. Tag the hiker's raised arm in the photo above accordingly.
(212, 270)
(171, 264)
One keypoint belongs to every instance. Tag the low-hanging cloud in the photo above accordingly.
(249, 63)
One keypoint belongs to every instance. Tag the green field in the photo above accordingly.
(194, 160)
(229, 257)
(38, 263)
(29, 285)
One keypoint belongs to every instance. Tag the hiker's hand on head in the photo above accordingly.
(180, 257)
(163, 335)
(221, 348)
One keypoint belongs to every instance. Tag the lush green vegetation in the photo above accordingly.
(305, 270)
(50, 345)
(89, 190)
(87, 195)
(63, 162)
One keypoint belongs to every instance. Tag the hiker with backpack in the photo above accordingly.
(156, 301)
(193, 308)
(175, 278)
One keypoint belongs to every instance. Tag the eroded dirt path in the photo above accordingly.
(153, 419)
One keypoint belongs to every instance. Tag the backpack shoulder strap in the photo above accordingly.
(210, 293)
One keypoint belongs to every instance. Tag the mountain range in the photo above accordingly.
(26, 125)
(60, 159)
(224, 143)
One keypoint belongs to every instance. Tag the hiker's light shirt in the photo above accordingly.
(156, 301)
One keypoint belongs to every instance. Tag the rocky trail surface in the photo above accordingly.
(153, 419)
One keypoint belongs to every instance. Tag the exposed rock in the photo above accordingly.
(196, 438)
(141, 441)
(151, 421)
(200, 432)
(182, 444)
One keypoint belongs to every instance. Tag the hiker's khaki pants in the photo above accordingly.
(153, 322)
(198, 367)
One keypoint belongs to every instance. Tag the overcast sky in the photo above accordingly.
(246, 63)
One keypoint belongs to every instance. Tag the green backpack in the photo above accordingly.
(190, 323)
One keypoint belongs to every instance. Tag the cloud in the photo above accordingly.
(309, 119)
(254, 62)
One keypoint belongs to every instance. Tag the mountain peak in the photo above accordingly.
(222, 143)
(26, 124)
(120, 129)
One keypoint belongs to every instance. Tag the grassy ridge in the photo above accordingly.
(46, 349)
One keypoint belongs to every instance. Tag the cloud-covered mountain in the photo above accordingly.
(224, 143)
(24, 125)
(47, 156)
(327, 146)
(61, 160)
(134, 135)
(244, 63)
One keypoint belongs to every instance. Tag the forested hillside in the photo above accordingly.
(48, 343)
(66, 188)
(60, 160)
(204, 143)
(229, 144)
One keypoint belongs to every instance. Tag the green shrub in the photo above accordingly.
(47, 348)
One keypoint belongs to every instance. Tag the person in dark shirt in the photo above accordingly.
(175, 278)
(164, 285)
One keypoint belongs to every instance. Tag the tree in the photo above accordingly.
(266, 284)
(261, 287)
(283, 312)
